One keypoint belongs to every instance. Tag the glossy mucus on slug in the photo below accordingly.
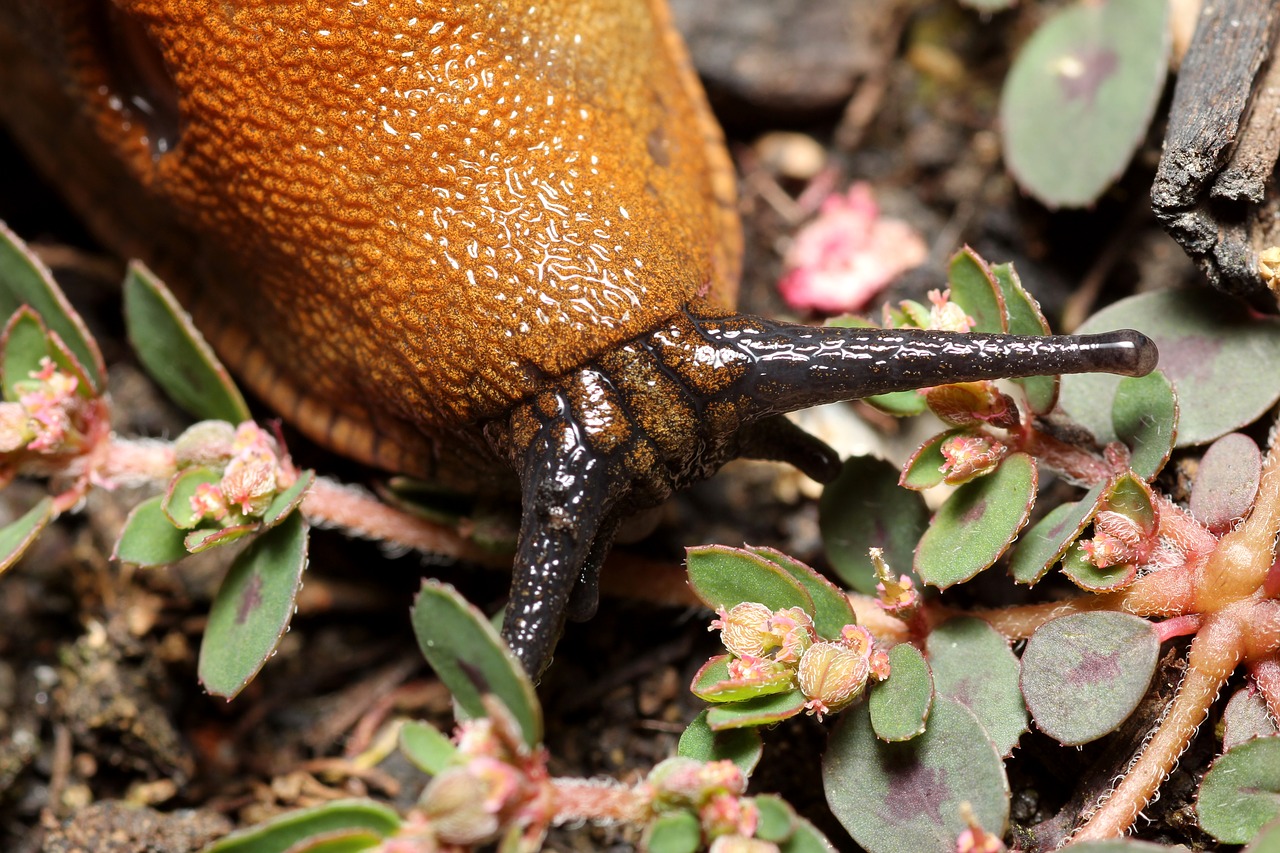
(495, 247)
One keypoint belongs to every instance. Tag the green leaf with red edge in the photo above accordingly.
(1210, 349)
(673, 832)
(24, 280)
(176, 502)
(1026, 318)
(148, 538)
(864, 508)
(1130, 496)
(1079, 97)
(763, 711)
(900, 705)
(1246, 717)
(974, 288)
(25, 344)
(1049, 538)
(280, 834)
(724, 577)
(1083, 674)
(900, 404)
(16, 536)
(428, 748)
(741, 746)
(1077, 566)
(339, 841)
(973, 664)
(175, 353)
(204, 538)
(712, 683)
(471, 658)
(924, 469)
(1226, 482)
(288, 500)
(253, 607)
(831, 607)
(1144, 415)
(1241, 792)
(977, 523)
(893, 797)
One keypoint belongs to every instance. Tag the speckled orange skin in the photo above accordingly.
(408, 216)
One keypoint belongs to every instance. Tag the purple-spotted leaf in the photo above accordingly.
(175, 353)
(893, 797)
(862, 509)
(831, 607)
(900, 404)
(280, 834)
(713, 683)
(972, 664)
(1241, 792)
(427, 747)
(1026, 318)
(806, 839)
(1144, 415)
(253, 607)
(1048, 540)
(1083, 674)
(673, 832)
(1080, 95)
(471, 658)
(288, 500)
(1226, 482)
(1245, 718)
(723, 577)
(1131, 497)
(741, 746)
(24, 280)
(977, 523)
(17, 535)
(25, 343)
(974, 289)
(204, 538)
(762, 711)
(149, 538)
(1210, 349)
(924, 469)
(900, 705)
(176, 502)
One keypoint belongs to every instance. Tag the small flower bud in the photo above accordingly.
(1117, 539)
(741, 844)
(970, 456)
(832, 676)
(249, 482)
(208, 502)
(796, 632)
(969, 403)
(946, 315)
(204, 443)
(15, 427)
(455, 803)
(746, 630)
(726, 814)
(750, 669)
(896, 596)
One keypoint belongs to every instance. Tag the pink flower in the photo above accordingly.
(848, 254)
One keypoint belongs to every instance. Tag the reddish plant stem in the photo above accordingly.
(582, 799)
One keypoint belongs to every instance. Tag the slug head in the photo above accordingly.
(670, 407)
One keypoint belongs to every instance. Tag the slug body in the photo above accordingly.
(461, 243)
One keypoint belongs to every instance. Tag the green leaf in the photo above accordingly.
(176, 502)
(253, 607)
(741, 746)
(1144, 415)
(762, 711)
(674, 832)
(1245, 718)
(1080, 95)
(1083, 674)
(924, 469)
(713, 684)
(471, 659)
(1210, 349)
(16, 536)
(862, 509)
(149, 538)
(1131, 497)
(25, 344)
(893, 797)
(1045, 543)
(900, 705)
(175, 353)
(204, 538)
(1077, 566)
(777, 818)
(1241, 792)
(288, 500)
(972, 664)
(280, 834)
(1226, 482)
(339, 841)
(831, 607)
(724, 577)
(977, 523)
(1026, 318)
(427, 747)
(1267, 840)
(974, 289)
(26, 281)
(806, 839)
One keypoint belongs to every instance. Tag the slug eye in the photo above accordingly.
(138, 82)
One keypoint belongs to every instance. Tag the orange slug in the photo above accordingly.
(488, 244)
